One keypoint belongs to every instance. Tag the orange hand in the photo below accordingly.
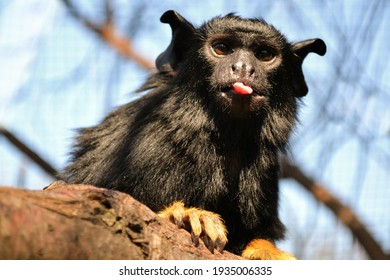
(202, 224)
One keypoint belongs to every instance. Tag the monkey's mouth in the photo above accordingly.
(242, 100)
(239, 92)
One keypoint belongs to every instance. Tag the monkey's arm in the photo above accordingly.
(202, 224)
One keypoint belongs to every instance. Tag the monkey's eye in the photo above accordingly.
(266, 54)
(221, 49)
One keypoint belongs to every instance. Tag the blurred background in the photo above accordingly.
(65, 64)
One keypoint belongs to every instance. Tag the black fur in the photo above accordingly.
(185, 141)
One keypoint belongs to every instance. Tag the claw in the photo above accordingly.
(202, 224)
(195, 239)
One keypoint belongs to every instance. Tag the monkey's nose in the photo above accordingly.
(242, 69)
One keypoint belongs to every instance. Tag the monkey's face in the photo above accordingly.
(244, 67)
(244, 58)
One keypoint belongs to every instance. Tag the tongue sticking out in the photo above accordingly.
(240, 88)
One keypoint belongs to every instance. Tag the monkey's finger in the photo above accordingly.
(209, 226)
(222, 234)
(174, 213)
(219, 235)
(193, 218)
(210, 230)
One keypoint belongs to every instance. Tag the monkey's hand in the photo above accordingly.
(202, 224)
(261, 249)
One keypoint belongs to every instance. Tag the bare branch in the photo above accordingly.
(124, 46)
(342, 212)
(22, 147)
(111, 35)
(75, 13)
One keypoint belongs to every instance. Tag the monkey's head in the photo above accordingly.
(243, 67)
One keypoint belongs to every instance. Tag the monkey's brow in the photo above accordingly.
(243, 29)
(258, 32)
(235, 29)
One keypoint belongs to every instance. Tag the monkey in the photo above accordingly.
(201, 145)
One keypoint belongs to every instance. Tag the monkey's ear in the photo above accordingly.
(300, 51)
(182, 31)
(303, 48)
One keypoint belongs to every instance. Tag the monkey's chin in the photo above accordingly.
(242, 105)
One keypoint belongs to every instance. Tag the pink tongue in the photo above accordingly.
(240, 88)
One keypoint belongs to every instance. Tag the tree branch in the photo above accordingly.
(84, 222)
(342, 212)
(32, 155)
(111, 35)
